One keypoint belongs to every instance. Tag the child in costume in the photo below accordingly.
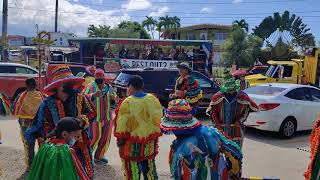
(56, 159)
(25, 107)
(100, 129)
(199, 152)
(64, 100)
(187, 87)
(313, 171)
(137, 129)
(229, 109)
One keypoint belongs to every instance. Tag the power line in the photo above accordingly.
(143, 16)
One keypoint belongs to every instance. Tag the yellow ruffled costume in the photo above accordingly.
(138, 119)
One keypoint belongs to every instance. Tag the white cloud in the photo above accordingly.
(237, 1)
(206, 10)
(160, 12)
(24, 14)
(134, 5)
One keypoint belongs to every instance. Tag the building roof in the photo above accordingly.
(206, 26)
(141, 41)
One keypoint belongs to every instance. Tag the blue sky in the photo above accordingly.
(76, 15)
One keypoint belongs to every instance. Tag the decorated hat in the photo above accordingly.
(91, 70)
(239, 73)
(60, 75)
(178, 117)
(184, 65)
(229, 86)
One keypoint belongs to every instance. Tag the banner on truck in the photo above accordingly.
(137, 63)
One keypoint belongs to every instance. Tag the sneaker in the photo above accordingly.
(103, 160)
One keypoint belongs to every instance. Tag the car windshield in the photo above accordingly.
(271, 70)
(265, 90)
(123, 79)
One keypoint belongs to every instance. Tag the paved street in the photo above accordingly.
(264, 154)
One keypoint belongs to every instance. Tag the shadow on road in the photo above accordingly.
(300, 140)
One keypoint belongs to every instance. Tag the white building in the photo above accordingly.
(60, 39)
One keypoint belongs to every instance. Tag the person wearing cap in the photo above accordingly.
(229, 109)
(64, 100)
(137, 129)
(102, 94)
(239, 75)
(56, 158)
(198, 152)
(187, 87)
(25, 107)
(313, 171)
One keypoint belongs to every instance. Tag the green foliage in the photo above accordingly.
(167, 23)
(126, 29)
(150, 24)
(241, 49)
(286, 22)
(242, 24)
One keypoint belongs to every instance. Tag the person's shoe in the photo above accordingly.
(0, 142)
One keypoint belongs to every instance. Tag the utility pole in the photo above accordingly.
(56, 19)
(4, 30)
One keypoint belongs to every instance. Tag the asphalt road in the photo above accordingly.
(265, 155)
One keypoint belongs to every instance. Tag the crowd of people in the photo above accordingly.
(154, 53)
(73, 128)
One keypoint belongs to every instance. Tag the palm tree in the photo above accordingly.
(150, 24)
(285, 24)
(242, 24)
(176, 24)
(168, 23)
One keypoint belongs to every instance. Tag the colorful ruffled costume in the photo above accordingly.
(229, 109)
(313, 172)
(56, 161)
(52, 109)
(25, 107)
(101, 127)
(199, 152)
(4, 105)
(137, 129)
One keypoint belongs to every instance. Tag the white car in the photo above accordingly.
(284, 108)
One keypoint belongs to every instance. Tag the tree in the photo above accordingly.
(150, 24)
(99, 31)
(301, 37)
(241, 49)
(136, 27)
(166, 23)
(242, 24)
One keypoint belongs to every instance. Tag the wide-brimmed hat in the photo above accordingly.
(239, 73)
(184, 65)
(178, 117)
(60, 75)
(229, 86)
(99, 74)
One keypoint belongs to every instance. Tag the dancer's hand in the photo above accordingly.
(97, 94)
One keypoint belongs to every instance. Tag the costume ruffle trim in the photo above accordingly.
(136, 139)
(171, 130)
(314, 145)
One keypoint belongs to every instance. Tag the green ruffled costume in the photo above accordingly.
(53, 162)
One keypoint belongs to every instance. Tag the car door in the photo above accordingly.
(315, 94)
(302, 107)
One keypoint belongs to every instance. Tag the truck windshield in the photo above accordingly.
(271, 70)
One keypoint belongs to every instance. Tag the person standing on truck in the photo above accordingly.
(64, 100)
(102, 95)
(25, 107)
(187, 87)
(137, 129)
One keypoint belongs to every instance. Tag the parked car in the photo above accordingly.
(161, 82)
(284, 108)
(13, 76)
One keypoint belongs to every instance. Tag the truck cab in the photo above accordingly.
(279, 72)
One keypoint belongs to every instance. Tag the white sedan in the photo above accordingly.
(284, 108)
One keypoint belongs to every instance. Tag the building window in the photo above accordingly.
(221, 36)
(203, 36)
(191, 36)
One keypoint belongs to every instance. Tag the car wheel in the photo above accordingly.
(288, 127)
